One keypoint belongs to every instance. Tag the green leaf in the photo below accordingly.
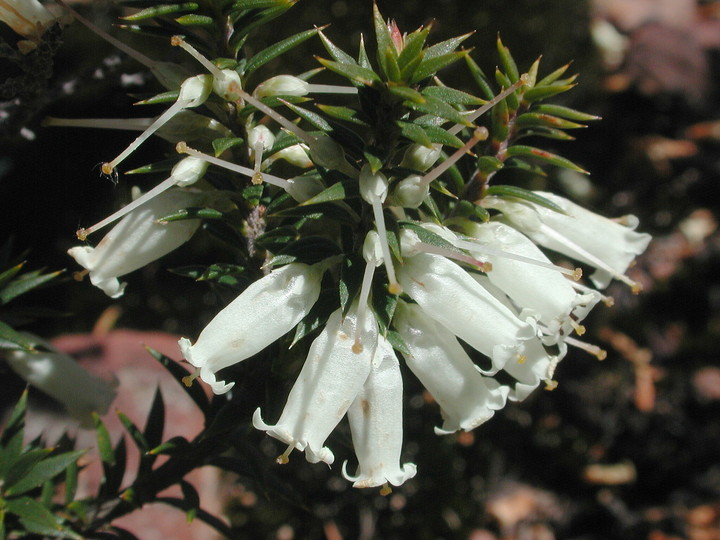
(308, 249)
(178, 372)
(191, 213)
(430, 65)
(374, 161)
(195, 20)
(160, 10)
(412, 47)
(315, 119)
(104, 443)
(451, 96)
(480, 79)
(552, 77)
(22, 465)
(169, 447)
(489, 164)
(353, 72)
(343, 113)
(43, 471)
(500, 121)
(512, 100)
(260, 4)
(191, 499)
(438, 108)
(392, 69)
(71, 482)
(7, 333)
(523, 194)
(538, 93)
(447, 46)
(336, 52)
(10, 273)
(225, 143)
(37, 519)
(397, 342)
(277, 49)
(507, 62)
(548, 133)
(134, 432)
(442, 136)
(544, 156)
(406, 93)
(385, 45)
(415, 133)
(523, 165)
(363, 58)
(24, 283)
(337, 192)
(165, 97)
(565, 112)
(535, 119)
(426, 236)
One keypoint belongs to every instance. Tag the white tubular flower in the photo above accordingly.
(466, 398)
(28, 18)
(333, 374)
(451, 297)
(376, 425)
(539, 291)
(410, 192)
(608, 245)
(137, 240)
(62, 378)
(265, 311)
(295, 155)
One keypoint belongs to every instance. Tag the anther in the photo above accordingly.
(596, 351)
(284, 458)
(189, 379)
(385, 490)
(490, 104)
(480, 134)
(579, 328)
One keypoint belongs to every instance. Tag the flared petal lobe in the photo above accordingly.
(376, 424)
(137, 240)
(330, 380)
(539, 292)
(268, 309)
(466, 397)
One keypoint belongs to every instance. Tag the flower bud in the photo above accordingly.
(409, 192)
(282, 85)
(420, 157)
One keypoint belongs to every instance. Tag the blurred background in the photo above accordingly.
(625, 448)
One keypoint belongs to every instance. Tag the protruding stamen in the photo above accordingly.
(393, 285)
(579, 328)
(550, 385)
(489, 105)
(178, 41)
(385, 490)
(129, 124)
(596, 351)
(635, 287)
(552, 366)
(109, 167)
(331, 89)
(480, 134)
(284, 458)
(483, 266)
(188, 379)
(80, 274)
(166, 184)
(183, 148)
(575, 273)
(372, 253)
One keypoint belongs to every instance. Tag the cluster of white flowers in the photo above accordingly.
(487, 284)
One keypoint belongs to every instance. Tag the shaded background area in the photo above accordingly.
(626, 448)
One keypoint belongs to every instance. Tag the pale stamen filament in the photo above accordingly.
(634, 286)
(109, 167)
(575, 274)
(128, 124)
(480, 134)
(257, 177)
(166, 184)
(473, 115)
(435, 250)
(177, 41)
(363, 304)
(596, 351)
(393, 285)
(331, 89)
(183, 148)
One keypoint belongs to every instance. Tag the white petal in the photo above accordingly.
(466, 398)
(376, 424)
(328, 383)
(137, 240)
(451, 297)
(265, 311)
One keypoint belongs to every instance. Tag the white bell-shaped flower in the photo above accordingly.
(376, 424)
(268, 309)
(448, 294)
(538, 291)
(333, 374)
(137, 240)
(62, 378)
(608, 245)
(466, 397)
